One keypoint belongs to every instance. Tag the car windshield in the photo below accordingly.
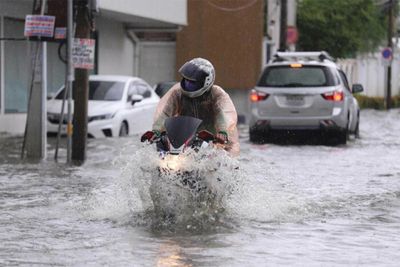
(304, 76)
(102, 91)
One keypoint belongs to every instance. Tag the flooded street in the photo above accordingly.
(288, 205)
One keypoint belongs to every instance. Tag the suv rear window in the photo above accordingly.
(304, 76)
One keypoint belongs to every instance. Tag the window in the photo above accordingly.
(305, 76)
(344, 79)
(137, 88)
(101, 90)
(106, 91)
(17, 68)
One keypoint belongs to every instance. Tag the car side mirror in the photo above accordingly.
(357, 88)
(50, 96)
(135, 98)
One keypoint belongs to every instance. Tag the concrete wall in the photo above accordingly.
(15, 9)
(12, 123)
(116, 51)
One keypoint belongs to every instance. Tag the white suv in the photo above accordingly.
(304, 91)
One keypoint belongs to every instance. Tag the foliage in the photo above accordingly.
(341, 27)
(376, 102)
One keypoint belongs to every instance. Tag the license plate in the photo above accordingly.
(295, 100)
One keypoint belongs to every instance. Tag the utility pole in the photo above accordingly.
(390, 45)
(81, 90)
(70, 78)
(283, 26)
(35, 139)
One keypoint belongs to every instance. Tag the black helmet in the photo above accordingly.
(198, 76)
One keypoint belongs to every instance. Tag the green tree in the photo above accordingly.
(340, 27)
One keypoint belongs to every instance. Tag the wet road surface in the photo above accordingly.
(292, 205)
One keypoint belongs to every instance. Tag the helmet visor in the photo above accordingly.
(191, 86)
(193, 72)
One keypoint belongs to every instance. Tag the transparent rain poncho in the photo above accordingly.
(214, 107)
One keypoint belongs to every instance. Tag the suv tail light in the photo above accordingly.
(256, 96)
(333, 96)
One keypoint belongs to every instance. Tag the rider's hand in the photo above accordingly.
(221, 138)
(149, 136)
(205, 135)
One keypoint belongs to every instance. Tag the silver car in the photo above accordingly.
(304, 91)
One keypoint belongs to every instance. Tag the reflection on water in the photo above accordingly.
(275, 205)
(171, 254)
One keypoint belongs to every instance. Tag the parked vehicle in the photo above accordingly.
(304, 91)
(162, 88)
(118, 106)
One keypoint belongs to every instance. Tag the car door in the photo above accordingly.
(141, 112)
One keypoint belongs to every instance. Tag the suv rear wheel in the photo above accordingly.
(357, 130)
(342, 137)
(344, 134)
(256, 136)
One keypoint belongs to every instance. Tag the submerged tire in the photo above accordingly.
(256, 137)
(357, 130)
(123, 130)
(342, 137)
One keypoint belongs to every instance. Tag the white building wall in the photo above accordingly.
(273, 21)
(116, 51)
(12, 123)
(15, 9)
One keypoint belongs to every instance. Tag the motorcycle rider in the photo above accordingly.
(197, 96)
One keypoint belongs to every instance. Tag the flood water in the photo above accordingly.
(291, 205)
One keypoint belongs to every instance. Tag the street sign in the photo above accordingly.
(83, 53)
(387, 56)
(39, 26)
(387, 53)
(60, 33)
(292, 35)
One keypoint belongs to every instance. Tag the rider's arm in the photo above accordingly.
(226, 119)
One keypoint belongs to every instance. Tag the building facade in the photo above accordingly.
(134, 37)
(230, 35)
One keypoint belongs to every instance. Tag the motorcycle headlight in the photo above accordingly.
(171, 162)
(101, 117)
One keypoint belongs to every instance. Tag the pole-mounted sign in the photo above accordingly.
(83, 53)
(39, 26)
(387, 55)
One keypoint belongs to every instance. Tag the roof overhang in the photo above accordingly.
(150, 15)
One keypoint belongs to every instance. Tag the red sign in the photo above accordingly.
(292, 35)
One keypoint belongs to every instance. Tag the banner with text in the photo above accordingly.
(39, 26)
(83, 51)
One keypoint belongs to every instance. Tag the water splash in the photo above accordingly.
(208, 189)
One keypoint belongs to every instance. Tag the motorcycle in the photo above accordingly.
(181, 185)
